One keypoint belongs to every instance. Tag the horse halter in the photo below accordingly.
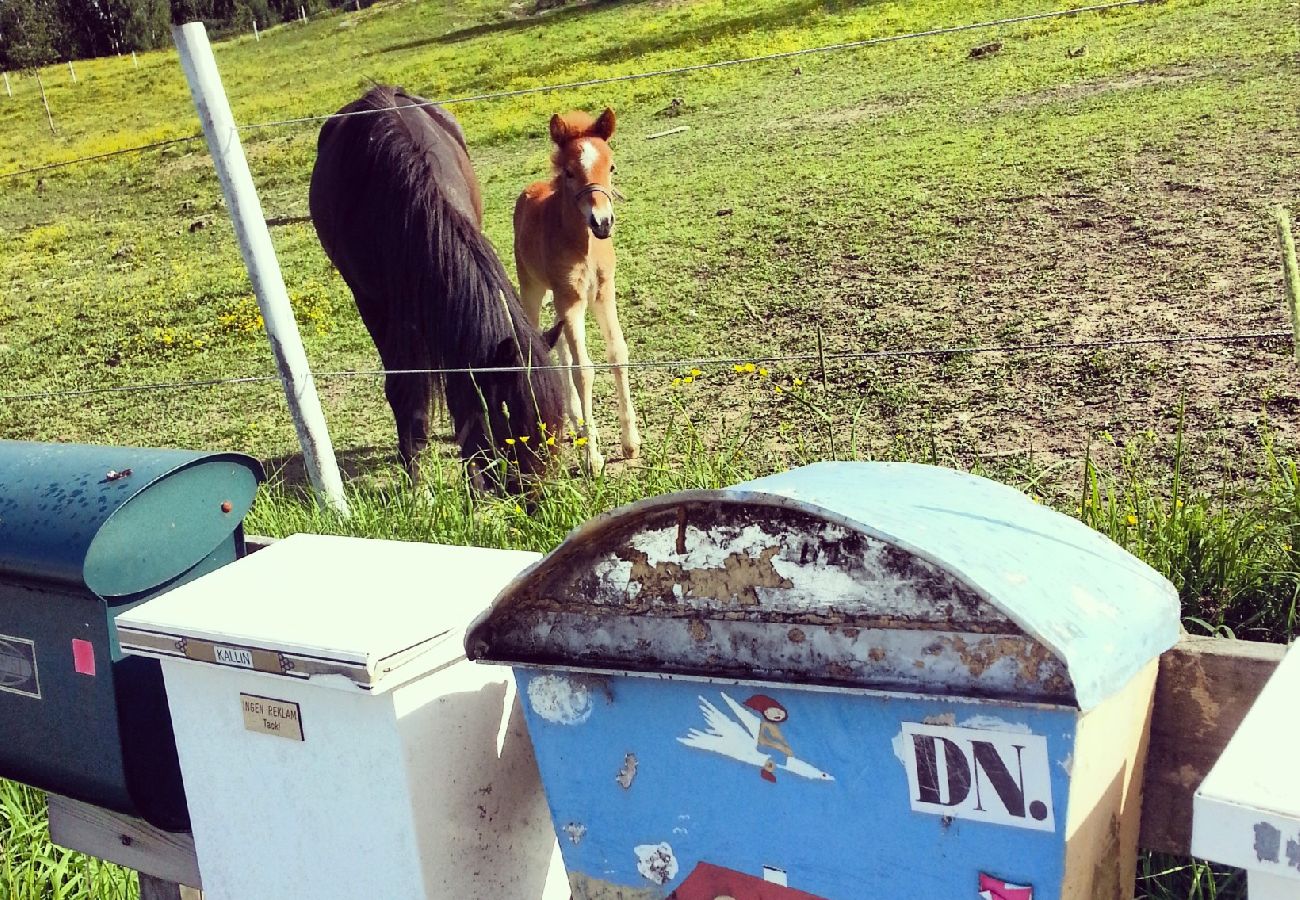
(593, 188)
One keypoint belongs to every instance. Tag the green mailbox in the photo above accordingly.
(87, 533)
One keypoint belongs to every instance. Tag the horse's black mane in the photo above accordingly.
(396, 206)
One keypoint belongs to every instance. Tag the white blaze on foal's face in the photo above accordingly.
(594, 167)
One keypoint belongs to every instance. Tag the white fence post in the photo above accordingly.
(259, 256)
(73, 71)
(8, 89)
(135, 63)
(256, 36)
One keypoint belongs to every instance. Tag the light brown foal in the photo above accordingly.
(562, 245)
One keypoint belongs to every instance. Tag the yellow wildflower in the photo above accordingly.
(798, 382)
(763, 372)
(1131, 519)
(579, 442)
(510, 441)
(550, 441)
(525, 437)
(696, 373)
(688, 379)
(776, 388)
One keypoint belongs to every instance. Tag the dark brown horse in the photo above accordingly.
(397, 209)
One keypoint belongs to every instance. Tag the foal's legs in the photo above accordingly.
(616, 350)
(574, 310)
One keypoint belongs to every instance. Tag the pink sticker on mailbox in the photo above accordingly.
(995, 889)
(83, 656)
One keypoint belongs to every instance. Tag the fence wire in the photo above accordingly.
(687, 363)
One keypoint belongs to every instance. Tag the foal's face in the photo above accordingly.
(586, 167)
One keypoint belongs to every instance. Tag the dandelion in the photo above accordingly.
(762, 372)
(696, 373)
(738, 368)
(1131, 519)
(688, 379)
(747, 368)
(677, 382)
(798, 382)
(579, 442)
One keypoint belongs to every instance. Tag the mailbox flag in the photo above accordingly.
(993, 889)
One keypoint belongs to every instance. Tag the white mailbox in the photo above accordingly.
(1247, 811)
(333, 739)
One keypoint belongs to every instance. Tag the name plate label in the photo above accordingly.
(266, 715)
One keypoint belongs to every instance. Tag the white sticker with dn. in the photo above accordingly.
(266, 715)
(1002, 777)
(233, 656)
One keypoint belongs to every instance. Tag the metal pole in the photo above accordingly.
(259, 257)
(256, 35)
(8, 89)
(135, 63)
(73, 71)
(303, 14)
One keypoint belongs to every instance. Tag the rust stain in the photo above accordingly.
(796, 636)
(585, 887)
(839, 671)
(851, 633)
(700, 630)
(977, 656)
(734, 584)
(876, 654)
(681, 530)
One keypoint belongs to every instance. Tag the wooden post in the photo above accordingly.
(44, 100)
(164, 859)
(259, 257)
(73, 71)
(1290, 275)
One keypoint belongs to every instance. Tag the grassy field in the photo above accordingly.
(1101, 176)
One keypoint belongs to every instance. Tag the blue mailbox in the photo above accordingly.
(849, 680)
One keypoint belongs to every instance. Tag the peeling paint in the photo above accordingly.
(1268, 842)
(993, 723)
(948, 718)
(560, 699)
(656, 862)
(584, 887)
(627, 774)
(576, 832)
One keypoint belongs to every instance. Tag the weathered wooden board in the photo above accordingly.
(124, 840)
(1205, 689)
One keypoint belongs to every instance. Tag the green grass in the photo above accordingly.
(900, 196)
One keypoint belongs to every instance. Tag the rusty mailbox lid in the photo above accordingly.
(889, 576)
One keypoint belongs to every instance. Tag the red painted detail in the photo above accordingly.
(762, 703)
(708, 881)
(83, 656)
(994, 889)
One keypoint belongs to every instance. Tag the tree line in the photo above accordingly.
(38, 32)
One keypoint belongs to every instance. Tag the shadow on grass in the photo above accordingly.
(517, 23)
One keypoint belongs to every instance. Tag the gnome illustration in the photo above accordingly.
(769, 734)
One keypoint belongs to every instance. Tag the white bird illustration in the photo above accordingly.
(739, 740)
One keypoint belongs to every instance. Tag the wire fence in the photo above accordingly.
(635, 76)
(1258, 337)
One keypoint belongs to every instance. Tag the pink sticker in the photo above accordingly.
(994, 889)
(83, 656)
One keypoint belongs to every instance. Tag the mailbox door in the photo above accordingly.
(57, 698)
